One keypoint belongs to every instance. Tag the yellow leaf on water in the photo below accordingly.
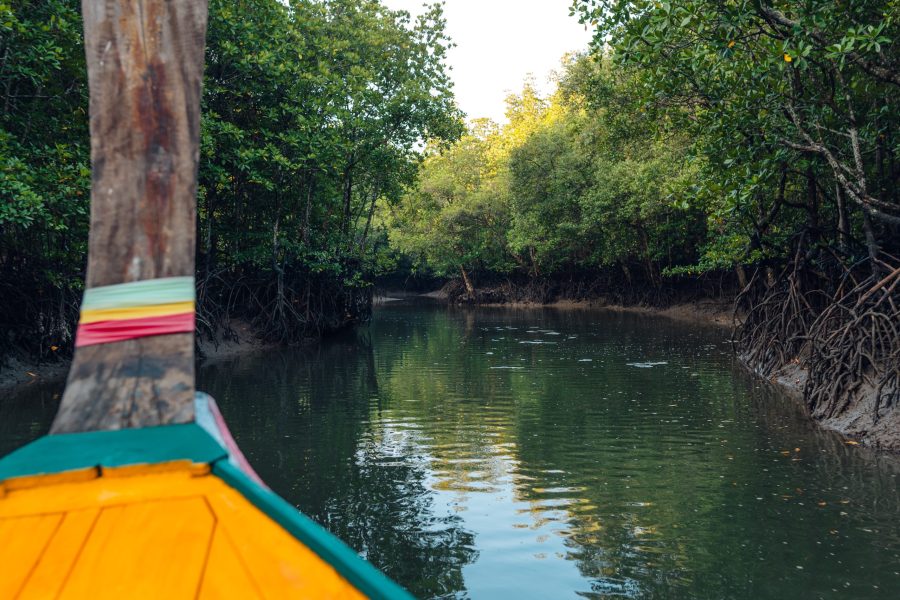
(54, 348)
(852, 443)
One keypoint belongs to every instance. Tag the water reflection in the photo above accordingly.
(552, 454)
(545, 454)
(26, 413)
(310, 431)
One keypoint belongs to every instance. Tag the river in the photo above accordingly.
(503, 453)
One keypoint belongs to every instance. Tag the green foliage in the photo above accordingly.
(44, 171)
(43, 146)
(699, 136)
(573, 183)
(792, 105)
(312, 112)
(457, 215)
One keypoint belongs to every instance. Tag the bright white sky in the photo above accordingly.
(499, 42)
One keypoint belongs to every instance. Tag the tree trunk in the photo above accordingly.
(535, 270)
(365, 234)
(652, 271)
(871, 243)
(843, 221)
(348, 198)
(468, 283)
(145, 67)
(211, 239)
(310, 182)
(812, 208)
(741, 275)
(276, 262)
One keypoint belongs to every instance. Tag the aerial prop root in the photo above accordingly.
(285, 309)
(846, 334)
(855, 342)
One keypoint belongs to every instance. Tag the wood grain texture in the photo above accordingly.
(280, 566)
(145, 68)
(49, 576)
(225, 575)
(174, 534)
(154, 549)
(24, 540)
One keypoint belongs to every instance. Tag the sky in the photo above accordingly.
(499, 43)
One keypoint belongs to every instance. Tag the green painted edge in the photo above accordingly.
(365, 577)
(75, 451)
(144, 292)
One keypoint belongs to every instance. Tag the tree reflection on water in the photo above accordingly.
(528, 453)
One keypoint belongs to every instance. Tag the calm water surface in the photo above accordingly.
(554, 454)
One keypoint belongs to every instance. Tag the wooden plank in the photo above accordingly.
(225, 575)
(157, 536)
(22, 540)
(145, 550)
(29, 481)
(145, 67)
(280, 566)
(104, 492)
(58, 558)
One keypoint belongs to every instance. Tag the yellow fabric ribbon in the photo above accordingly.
(135, 312)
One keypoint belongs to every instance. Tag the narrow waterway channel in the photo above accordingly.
(499, 453)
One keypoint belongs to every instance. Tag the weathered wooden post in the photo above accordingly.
(145, 67)
(198, 522)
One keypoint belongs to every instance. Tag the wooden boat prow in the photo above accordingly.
(139, 491)
(161, 512)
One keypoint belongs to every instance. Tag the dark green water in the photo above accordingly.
(555, 454)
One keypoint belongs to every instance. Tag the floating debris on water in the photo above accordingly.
(647, 365)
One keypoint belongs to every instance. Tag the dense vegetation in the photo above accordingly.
(794, 106)
(44, 173)
(575, 186)
(311, 111)
(746, 146)
(750, 139)
(310, 116)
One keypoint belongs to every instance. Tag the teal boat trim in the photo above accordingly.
(63, 452)
(366, 578)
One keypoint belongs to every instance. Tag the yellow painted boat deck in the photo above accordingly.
(157, 531)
